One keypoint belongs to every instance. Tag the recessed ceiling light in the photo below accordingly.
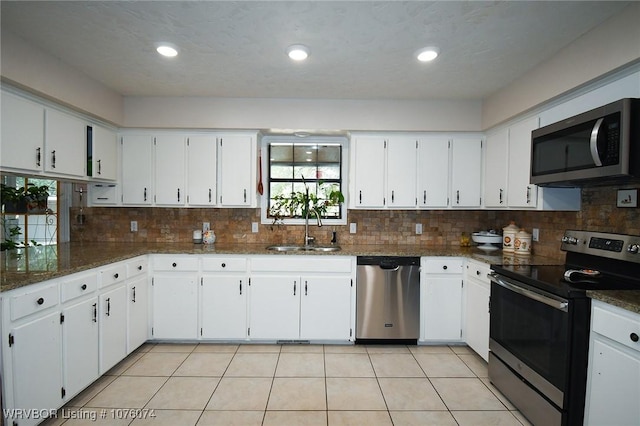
(427, 54)
(167, 50)
(298, 52)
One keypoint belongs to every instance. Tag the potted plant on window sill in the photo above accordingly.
(31, 199)
(304, 203)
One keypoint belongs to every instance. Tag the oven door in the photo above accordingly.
(529, 332)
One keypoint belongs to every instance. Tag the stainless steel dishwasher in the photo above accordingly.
(388, 299)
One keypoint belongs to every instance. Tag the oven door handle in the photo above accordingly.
(560, 304)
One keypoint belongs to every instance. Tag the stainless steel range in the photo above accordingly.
(539, 329)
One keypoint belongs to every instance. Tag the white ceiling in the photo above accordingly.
(359, 49)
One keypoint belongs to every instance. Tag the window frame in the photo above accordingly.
(310, 140)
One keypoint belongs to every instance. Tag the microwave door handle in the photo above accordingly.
(561, 305)
(593, 143)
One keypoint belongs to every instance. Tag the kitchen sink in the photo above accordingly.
(303, 248)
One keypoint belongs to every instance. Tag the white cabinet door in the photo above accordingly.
(443, 308)
(22, 143)
(104, 164)
(175, 306)
(521, 193)
(65, 143)
(201, 170)
(80, 345)
(433, 172)
(477, 317)
(237, 170)
(496, 165)
(224, 306)
(112, 318)
(466, 173)
(37, 364)
(325, 308)
(368, 172)
(138, 315)
(274, 307)
(169, 170)
(137, 171)
(401, 172)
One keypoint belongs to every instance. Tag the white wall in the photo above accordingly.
(610, 46)
(30, 68)
(308, 114)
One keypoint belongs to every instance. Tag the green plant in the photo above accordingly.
(32, 196)
(300, 204)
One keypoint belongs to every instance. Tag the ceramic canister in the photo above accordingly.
(522, 243)
(509, 236)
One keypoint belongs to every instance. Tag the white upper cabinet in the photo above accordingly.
(433, 172)
(104, 159)
(137, 169)
(466, 172)
(201, 170)
(65, 144)
(520, 192)
(496, 164)
(237, 167)
(22, 142)
(401, 172)
(170, 170)
(368, 172)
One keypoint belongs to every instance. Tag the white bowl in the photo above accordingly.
(486, 240)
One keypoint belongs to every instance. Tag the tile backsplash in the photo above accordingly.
(439, 227)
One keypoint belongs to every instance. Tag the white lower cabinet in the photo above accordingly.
(80, 345)
(613, 382)
(223, 305)
(441, 294)
(477, 292)
(275, 307)
(325, 308)
(138, 312)
(112, 317)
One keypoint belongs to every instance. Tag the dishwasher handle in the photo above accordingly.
(389, 265)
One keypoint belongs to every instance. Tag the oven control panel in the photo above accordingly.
(616, 246)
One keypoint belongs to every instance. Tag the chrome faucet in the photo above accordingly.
(308, 239)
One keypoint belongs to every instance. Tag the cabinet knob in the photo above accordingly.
(444, 267)
(116, 275)
(477, 272)
(41, 301)
(140, 268)
(83, 287)
(633, 337)
(174, 264)
(224, 265)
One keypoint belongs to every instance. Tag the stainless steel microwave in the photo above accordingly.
(598, 147)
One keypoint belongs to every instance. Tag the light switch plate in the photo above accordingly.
(353, 228)
(418, 229)
(535, 234)
(134, 226)
(254, 227)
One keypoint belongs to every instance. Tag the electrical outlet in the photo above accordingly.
(353, 228)
(418, 229)
(134, 226)
(535, 234)
(206, 226)
(254, 227)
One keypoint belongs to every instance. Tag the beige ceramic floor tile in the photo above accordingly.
(354, 394)
(184, 393)
(475, 364)
(231, 418)
(205, 364)
(387, 349)
(422, 418)
(345, 349)
(145, 347)
(123, 365)
(466, 394)
(498, 394)
(300, 365)
(410, 394)
(156, 364)
(443, 365)
(348, 365)
(169, 418)
(240, 393)
(396, 365)
(293, 393)
(216, 347)
(259, 348)
(461, 349)
(315, 349)
(297, 418)
(252, 365)
(430, 350)
(83, 397)
(173, 347)
(485, 418)
(359, 418)
(127, 392)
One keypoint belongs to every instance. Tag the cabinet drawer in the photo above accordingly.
(478, 271)
(78, 286)
(617, 324)
(113, 274)
(175, 263)
(102, 193)
(443, 265)
(226, 264)
(137, 266)
(34, 301)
